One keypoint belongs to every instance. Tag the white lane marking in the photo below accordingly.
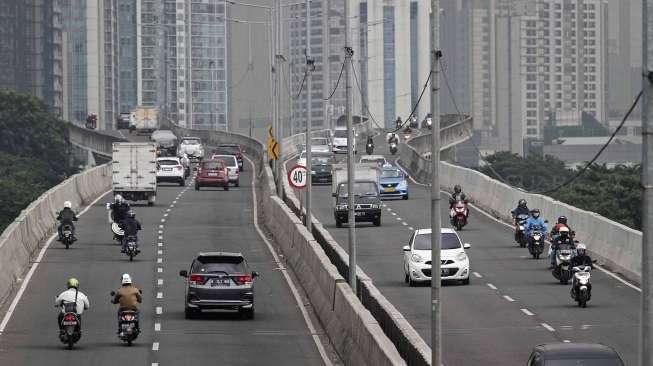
(159, 244)
(478, 209)
(157, 327)
(384, 205)
(160, 237)
(165, 215)
(398, 218)
(173, 206)
(548, 327)
(160, 232)
(508, 298)
(491, 286)
(411, 228)
(527, 312)
(477, 275)
(404, 223)
(159, 295)
(168, 210)
(393, 213)
(160, 226)
(389, 209)
(566, 341)
(160, 270)
(163, 220)
(286, 276)
(31, 271)
(159, 260)
(159, 282)
(159, 310)
(155, 346)
(155, 364)
(159, 252)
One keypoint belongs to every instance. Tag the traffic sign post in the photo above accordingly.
(273, 145)
(298, 176)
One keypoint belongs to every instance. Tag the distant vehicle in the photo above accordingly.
(378, 159)
(320, 144)
(134, 171)
(427, 122)
(91, 121)
(166, 141)
(170, 169)
(301, 160)
(363, 172)
(232, 167)
(122, 121)
(340, 141)
(191, 146)
(231, 149)
(393, 183)
(219, 280)
(413, 122)
(212, 173)
(321, 165)
(144, 120)
(573, 354)
(366, 199)
(417, 257)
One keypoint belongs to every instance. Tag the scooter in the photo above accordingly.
(520, 223)
(369, 149)
(131, 249)
(67, 237)
(581, 286)
(536, 245)
(562, 269)
(70, 329)
(118, 233)
(393, 148)
(459, 215)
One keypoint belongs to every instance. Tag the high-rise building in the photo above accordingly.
(127, 23)
(31, 50)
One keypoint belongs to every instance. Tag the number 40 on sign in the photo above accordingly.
(297, 176)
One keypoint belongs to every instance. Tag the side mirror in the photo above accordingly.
(467, 245)
(195, 168)
(254, 274)
(406, 248)
(113, 293)
(334, 194)
(183, 273)
(546, 221)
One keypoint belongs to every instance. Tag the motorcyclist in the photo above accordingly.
(370, 141)
(535, 222)
(457, 195)
(562, 222)
(582, 258)
(399, 123)
(392, 137)
(560, 239)
(77, 300)
(130, 226)
(66, 217)
(521, 209)
(119, 209)
(128, 296)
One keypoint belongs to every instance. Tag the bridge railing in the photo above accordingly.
(94, 141)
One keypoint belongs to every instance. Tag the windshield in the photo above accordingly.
(360, 188)
(320, 159)
(227, 150)
(167, 162)
(213, 165)
(390, 173)
(219, 264)
(229, 160)
(319, 141)
(584, 361)
(449, 241)
(379, 161)
(340, 133)
(190, 141)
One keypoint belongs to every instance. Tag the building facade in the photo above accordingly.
(127, 23)
(31, 50)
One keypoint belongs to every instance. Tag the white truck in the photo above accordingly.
(134, 171)
(362, 172)
(144, 120)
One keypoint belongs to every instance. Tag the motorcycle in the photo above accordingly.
(118, 233)
(131, 249)
(562, 270)
(393, 148)
(70, 329)
(459, 215)
(428, 123)
(67, 237)
(581, 287)
(536, 244)
(369, 148)
(520, 223)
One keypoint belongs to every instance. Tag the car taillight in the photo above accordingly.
(197, 280)
(243, 280)
(179, 167)
(69, 318)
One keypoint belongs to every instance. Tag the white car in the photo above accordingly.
(233, 171)
(417, 257)
(340, 141)
(379, 159)
(191, 146)
(302, 156)
(170, 169)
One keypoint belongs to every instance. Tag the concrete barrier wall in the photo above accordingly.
(95, 141)
(614, 245)
(22, 238)
(453, 131)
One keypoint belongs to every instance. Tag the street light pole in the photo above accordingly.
(350, 156)
(309, 90)
(436, 54)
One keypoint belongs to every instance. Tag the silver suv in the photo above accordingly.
(219, 280)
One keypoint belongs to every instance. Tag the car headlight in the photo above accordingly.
(416, 258)
(312, 171)
(341, 207)
(402, 185)
(374, 205)
(461, 257)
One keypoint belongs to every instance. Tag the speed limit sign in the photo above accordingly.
(297, 176)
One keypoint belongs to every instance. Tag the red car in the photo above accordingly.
(230, 149)
(212, 173)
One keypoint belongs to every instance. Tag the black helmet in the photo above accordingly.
(131, 214)
(522, 203)
(535, 212)
(562, 220)
(457, 188)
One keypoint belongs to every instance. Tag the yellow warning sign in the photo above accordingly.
(273, 145)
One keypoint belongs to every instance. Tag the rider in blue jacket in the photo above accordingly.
(535, 222)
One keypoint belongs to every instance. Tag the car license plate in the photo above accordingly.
(389, 189)
(444, 272)
(220, 282)
(359, 213)
(67, 323)
(167, 169)
(213, 174)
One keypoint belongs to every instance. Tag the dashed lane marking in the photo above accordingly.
(159, 270)
(159, 244)
(157, 327)
(548, 327)
(393, 213)
(477, 275)
(159, 310)
(508, 298)
(404, 223)
(411, 228)
(159, 260)
(527, 312)
(155, 346)
(491, 286)
(159, 282)
(159, 252)
(159, 295)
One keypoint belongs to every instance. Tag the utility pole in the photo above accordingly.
(309, 90)
(351, 212)
(436, 282)
(277, 91)
(646, 336)
(276, 21)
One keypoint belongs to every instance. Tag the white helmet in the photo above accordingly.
(126, 279)
(563, 229)
(118, 198)
(579, 247)
(67, 204)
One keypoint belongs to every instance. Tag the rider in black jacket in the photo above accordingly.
(581, 259)
(130, 226)
(66, 217)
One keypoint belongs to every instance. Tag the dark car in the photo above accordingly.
(366, 199)
(230, 149)
(219, 280)
(574, 354)
(122, 122)
(321, 164)
(212, 173)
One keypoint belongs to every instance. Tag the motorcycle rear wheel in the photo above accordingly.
(70, 343)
